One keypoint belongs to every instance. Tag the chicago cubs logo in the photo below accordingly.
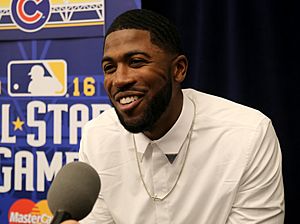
(30, 15)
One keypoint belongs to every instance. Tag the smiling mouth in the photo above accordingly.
(128, 99)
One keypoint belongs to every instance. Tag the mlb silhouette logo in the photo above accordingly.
(37, 78)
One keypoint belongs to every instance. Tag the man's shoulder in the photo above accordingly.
(107, 119)
(224, 111)
(102, 140)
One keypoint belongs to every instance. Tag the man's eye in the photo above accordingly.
(108, 68)
(137, 62)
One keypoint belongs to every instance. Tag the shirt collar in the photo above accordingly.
(171, 142)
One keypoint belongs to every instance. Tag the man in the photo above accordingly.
(167, 155)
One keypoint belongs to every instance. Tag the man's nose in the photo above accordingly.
(122, 77)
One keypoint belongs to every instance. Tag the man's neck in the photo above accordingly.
(167, 119)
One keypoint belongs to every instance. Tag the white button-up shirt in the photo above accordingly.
(231, 172)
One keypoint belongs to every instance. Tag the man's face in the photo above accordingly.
(137, 79)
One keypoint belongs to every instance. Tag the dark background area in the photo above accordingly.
(248, 52)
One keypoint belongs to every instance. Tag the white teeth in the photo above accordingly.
(129, 99)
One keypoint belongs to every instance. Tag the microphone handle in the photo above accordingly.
(60, 216)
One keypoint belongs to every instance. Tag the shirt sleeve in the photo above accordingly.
(100, 212)
(260, 197)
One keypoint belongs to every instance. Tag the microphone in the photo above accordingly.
(73, 192)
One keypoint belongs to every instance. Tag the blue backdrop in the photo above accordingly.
(51, 84)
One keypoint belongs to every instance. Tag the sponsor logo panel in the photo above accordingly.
(26, 211)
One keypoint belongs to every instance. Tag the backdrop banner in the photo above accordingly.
(51, 84)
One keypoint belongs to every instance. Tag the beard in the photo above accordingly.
(152, 112)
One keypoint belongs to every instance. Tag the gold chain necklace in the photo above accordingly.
(155, 197)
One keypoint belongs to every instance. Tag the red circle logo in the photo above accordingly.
(26, 211)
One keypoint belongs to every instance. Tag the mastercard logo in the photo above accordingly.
(26, 211)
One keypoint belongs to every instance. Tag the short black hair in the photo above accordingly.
(163, 33)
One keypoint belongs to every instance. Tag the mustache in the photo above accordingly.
(128, 88)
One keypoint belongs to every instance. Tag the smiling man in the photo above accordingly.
(142, 82)
(167, 155)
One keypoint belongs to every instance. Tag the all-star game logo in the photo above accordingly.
(48, 19)
(30, 15)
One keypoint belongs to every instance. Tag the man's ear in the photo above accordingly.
(180, 65)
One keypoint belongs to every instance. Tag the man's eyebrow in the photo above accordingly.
(132, 53)
(126, 55)
(106, 58)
